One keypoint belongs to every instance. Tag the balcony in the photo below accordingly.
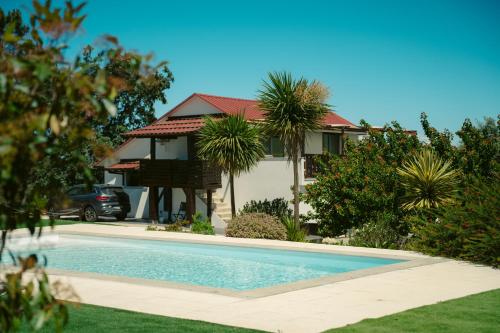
(312, 164)
(192, 174)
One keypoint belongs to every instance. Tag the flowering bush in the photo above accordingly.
(352, 189)
(256, 225)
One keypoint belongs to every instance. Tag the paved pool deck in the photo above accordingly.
(310, 309)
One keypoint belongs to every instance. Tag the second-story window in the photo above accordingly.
(331, 143)
(274, 147)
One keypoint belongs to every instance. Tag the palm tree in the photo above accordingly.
(231, 143)
(292, 108)
(428, 180)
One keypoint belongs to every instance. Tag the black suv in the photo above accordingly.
(89, 204)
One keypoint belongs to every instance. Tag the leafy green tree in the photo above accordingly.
(477, 153)
(47, 106)
(139, 86)
(139, 90)
(362, 184)
(468, 230)
(231, 143)
(429, 182)
(292, 108)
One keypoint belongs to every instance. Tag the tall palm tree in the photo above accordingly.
(231, 143)
(428, 180)
(292, 107)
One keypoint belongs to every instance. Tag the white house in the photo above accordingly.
(162, 156)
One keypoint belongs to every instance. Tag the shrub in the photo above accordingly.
(277, 207)
(429, 181)
(294, 232)
(177, 226)
(256, 225)
(202, 225)
(468, 231)
(351, 189)
(378, 232)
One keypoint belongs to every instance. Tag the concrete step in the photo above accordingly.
(222, 210)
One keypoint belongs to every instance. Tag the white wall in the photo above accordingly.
(135, 148)
(196, 106)
(113, 178)
(139, 203)
(172, 148)
(270, 179)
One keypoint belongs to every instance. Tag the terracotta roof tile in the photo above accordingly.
(124, 166)
(169, 127)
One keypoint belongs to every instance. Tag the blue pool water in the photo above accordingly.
(230, 267)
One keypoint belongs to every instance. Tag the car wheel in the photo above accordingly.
(89, 214)
(121, 217)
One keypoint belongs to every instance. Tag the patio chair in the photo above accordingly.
(181, 213)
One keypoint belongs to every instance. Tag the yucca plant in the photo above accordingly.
(231, 143)
(429, 181)
(294, 232)
(292, 107)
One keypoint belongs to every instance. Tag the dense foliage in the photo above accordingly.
(139, 91)
(468, 230)
(202, 225)
(362, 191)
(354, 188)
(294, 232)
(256, 225)
(48, 105)
(378, 232)
(277, 207)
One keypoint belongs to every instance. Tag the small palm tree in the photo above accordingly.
(429, 181)
(231, 143)
(292, 108)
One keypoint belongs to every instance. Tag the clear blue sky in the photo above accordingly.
(383, 60)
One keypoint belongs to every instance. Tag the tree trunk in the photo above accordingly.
(231, 185)
(295, 158)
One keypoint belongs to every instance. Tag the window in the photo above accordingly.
(331, 143)
(77, 190)
(274, 147)
(74, 191)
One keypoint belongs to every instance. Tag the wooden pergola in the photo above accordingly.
(189, 175)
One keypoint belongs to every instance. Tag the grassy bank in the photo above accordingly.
(477, 313)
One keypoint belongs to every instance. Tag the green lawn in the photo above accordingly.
(477, 313)
(95, 319)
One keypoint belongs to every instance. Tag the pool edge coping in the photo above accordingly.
(409, 262)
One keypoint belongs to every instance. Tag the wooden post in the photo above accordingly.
(153, 190)
(190, 203)
(342, 141)
(209, 205)
(167, 202)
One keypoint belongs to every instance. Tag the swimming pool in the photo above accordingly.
(219, 266)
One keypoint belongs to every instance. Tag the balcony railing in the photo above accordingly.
(313, 164)
(179, 174)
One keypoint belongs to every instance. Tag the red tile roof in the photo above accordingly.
(168, 127)
(124, 166)
(233, 106)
